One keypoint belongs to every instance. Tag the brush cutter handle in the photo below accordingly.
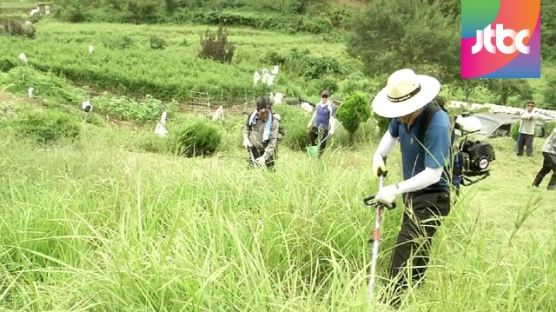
(370, 200)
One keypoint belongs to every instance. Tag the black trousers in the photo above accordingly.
(549, 164)
(422, 217)
(270, 162)
(527, 141)
(314, 138)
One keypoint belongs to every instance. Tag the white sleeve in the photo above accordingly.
(421, 180)
(386, 144)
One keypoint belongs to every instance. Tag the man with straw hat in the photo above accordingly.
(407, 99)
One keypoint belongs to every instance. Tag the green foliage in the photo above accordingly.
(549, 95)
(216, 46)
(143, 11)
(46, 126)
(18, 28)
(514, 131)
(6, 64)
(382, 123)
(355, 110)
(504, 88)
(152, 143)
(294, 121)
(305, 64)
(126, 108)
(196, 138)
(20, 78)
(157, 43)
(119, 42)
(395, 34)
(327, 83)
(74, 11)
(549, 126)
(548, 20)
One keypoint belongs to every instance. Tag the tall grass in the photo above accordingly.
(96, 225)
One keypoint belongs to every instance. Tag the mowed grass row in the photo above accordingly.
(94, 225)
(123, 59)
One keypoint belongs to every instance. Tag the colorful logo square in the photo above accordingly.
(500, 39)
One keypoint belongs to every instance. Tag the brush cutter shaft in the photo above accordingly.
(374, 255)
(376, 243)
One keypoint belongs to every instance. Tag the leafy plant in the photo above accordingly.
(197, 138)
(216, 46)
(294, 120)
(354, 111)
(157, 43)
(46, 127)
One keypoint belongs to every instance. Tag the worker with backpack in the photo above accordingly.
(261, 134)
(425, 185)
(435, 158)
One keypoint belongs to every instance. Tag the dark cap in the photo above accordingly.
(264, 102)
(325, 93)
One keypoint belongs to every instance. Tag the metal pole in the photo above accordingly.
(376, 244)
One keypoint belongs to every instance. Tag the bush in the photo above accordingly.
(549, 126)
(152, 143)
(197, 138)
(158, 43)
(294, 122)
(6, 65)
(354, 111)
(46, 127)
(514, 131)
(328, 83)
(216, 46)
(18, 28)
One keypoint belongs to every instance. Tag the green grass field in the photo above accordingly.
(178, 72)
(99, 225)
(109, 222)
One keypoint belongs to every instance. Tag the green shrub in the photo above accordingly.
(216, 46)
(514, 131)
(196, 138)
(294, 122)
(6, 64)
(328, 83)
(152, 143)
(157, 43)
(46, 126)
(549, 126)
(18, 28)
(354, 111)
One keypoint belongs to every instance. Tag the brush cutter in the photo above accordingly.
(370, 201)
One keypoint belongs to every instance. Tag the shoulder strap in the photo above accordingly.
(428, 112)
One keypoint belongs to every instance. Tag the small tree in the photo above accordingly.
(548, 93)
(354, 111)
(216, 46)
(505, 88)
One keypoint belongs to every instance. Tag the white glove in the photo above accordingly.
(387, 194)
(260, 161)
(378, 163)
(247, 142)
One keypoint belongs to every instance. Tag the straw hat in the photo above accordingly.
(405, 93)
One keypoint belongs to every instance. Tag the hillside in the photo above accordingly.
(100, 223)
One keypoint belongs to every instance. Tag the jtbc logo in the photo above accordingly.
(484, 38)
